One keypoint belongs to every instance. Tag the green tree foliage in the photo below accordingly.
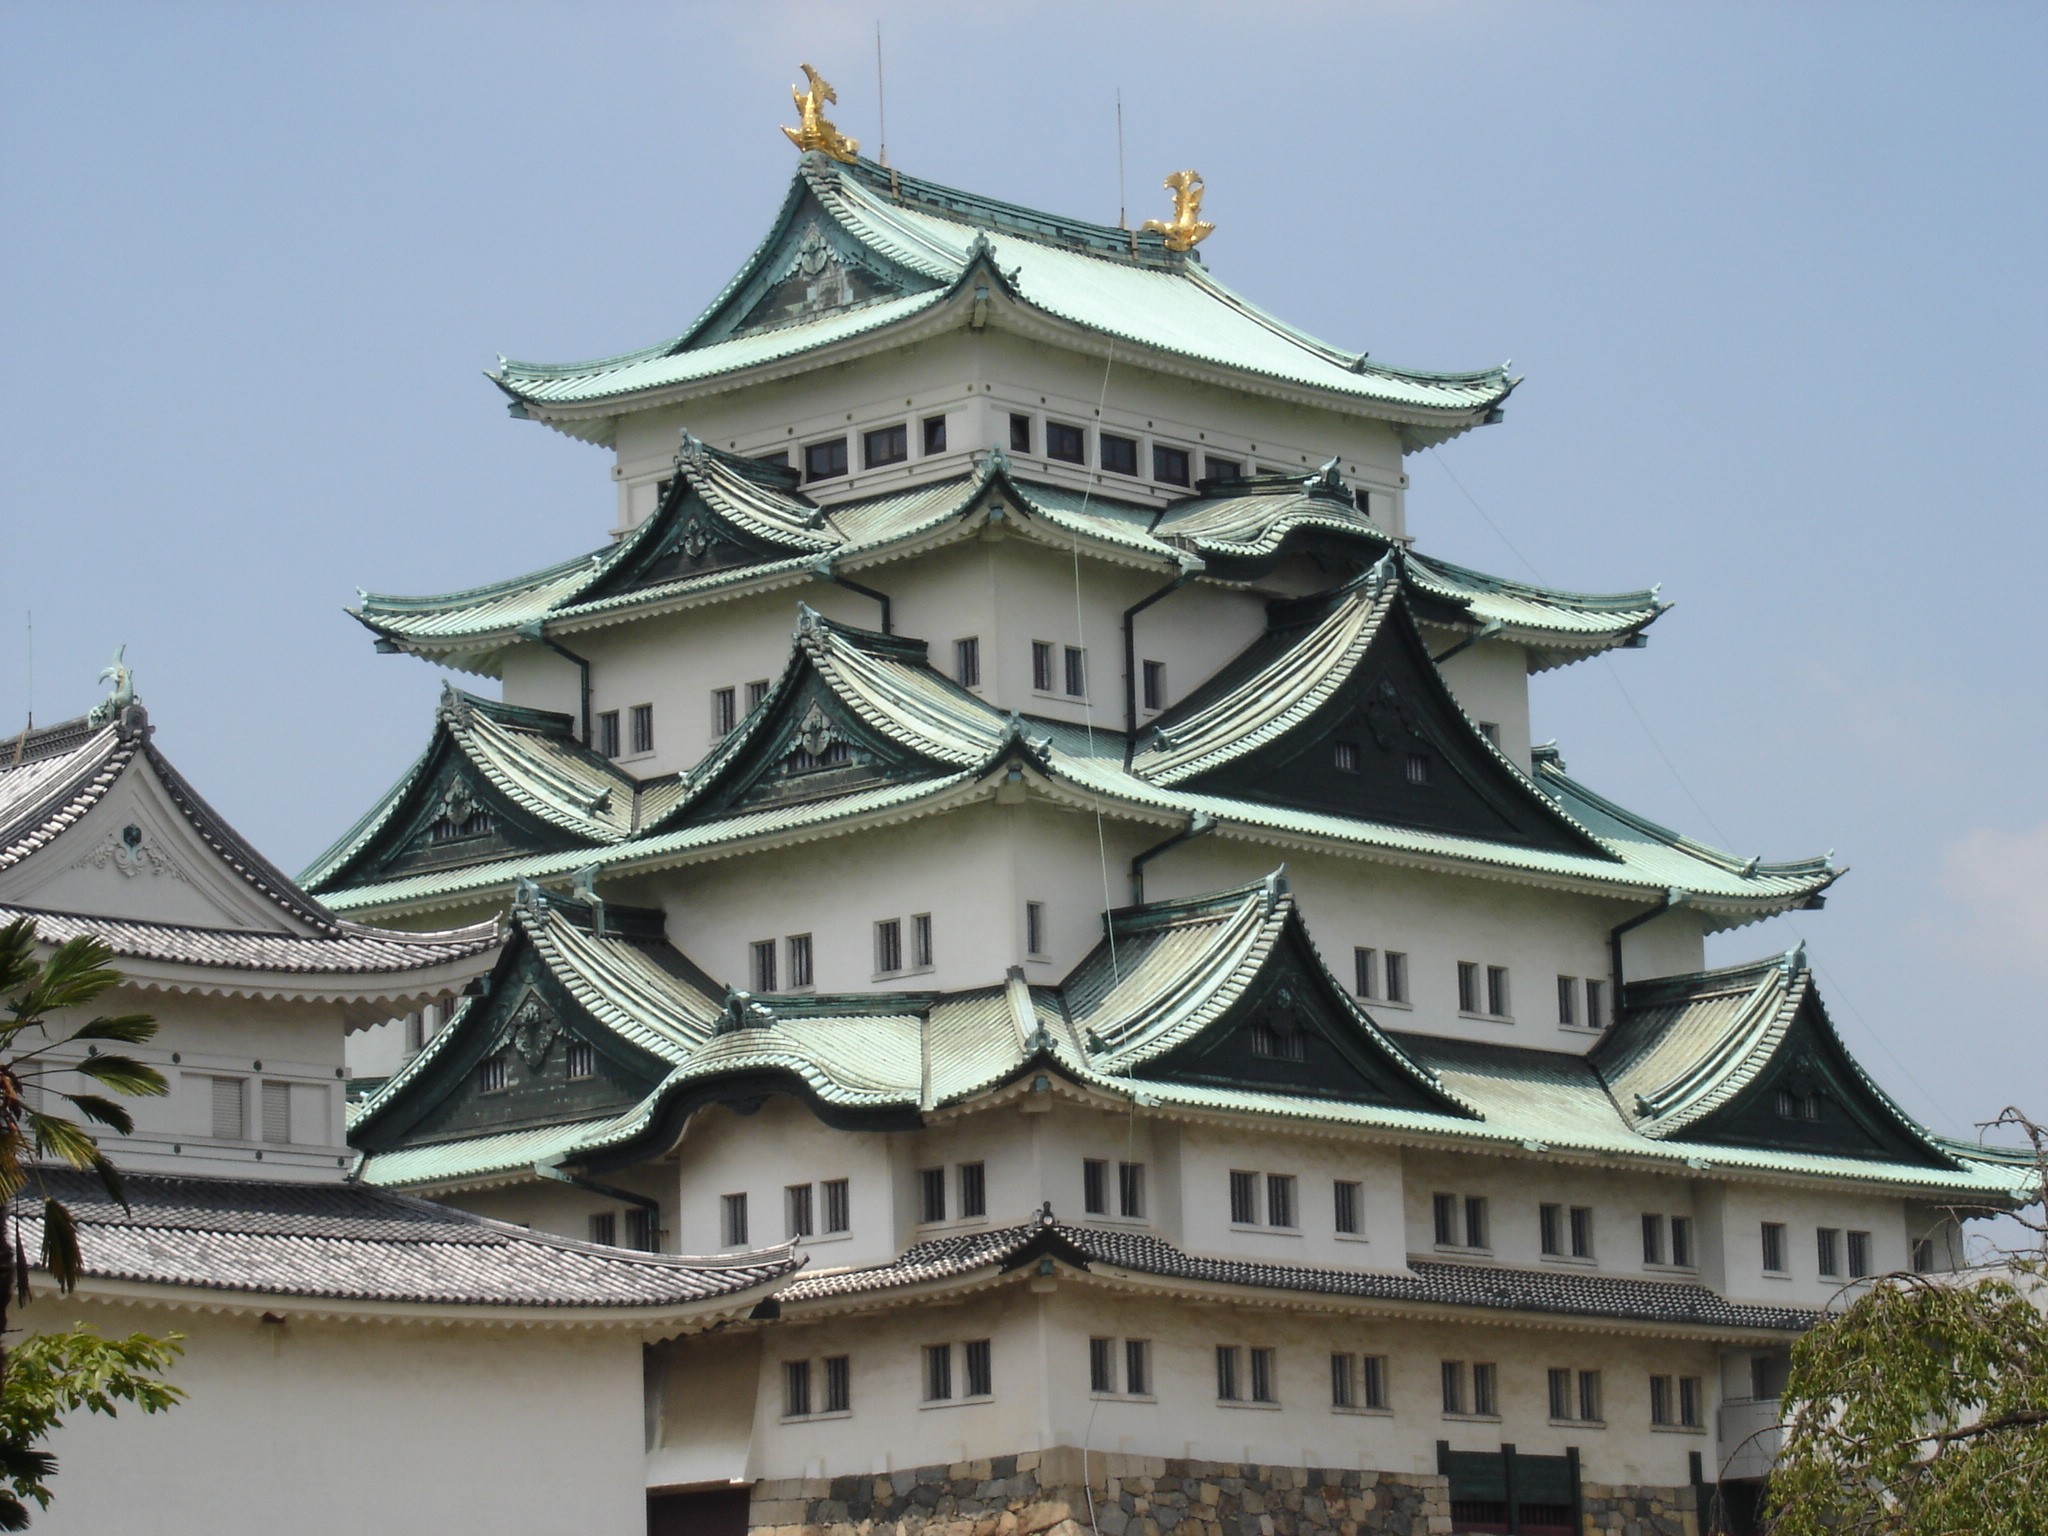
(46, 1377)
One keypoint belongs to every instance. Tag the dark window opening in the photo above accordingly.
(934, 434)
(1020, 434)
(825, 461)
(1064, 442)
(608, 733)
(1214, 468)
(1170, 466)
(1155, 685)
(643, 727)
(1119, 454)
(886, 445)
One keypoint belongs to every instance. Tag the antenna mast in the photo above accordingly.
(881, 106)
(1122, 222)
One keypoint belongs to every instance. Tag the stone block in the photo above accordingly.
(1043, 1516)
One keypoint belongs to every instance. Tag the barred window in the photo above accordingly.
(581, 1059)
(838, 1384)
(973, 1189)
(980, 1373)
(643, 727)
(1265, 1377)
(798, 1207)
(735, 1211)
(938, 1373)
(1348, 1199)
(1095, 1186)
(1244, 1198)
(1229, 1388)
(1102, 1365)
(1138, 1367)
(796, 1389)
(1130, 1189)
(931, 1186)
(838, 1206)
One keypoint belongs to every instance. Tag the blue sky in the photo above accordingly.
(1774, 274)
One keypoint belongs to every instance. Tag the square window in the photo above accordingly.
(604, 1229)
(1681, 1241)
(1265, 1378)
(763, 952)
(1859, 1255)
(1138, 1367)
(1066, 443)
(1348, 1215)
(1280, 1200)
(799, 960)
(921, 941)
(1214, 468)
(1130, 1190)
(582, 1059)
(1828, 1240)
(1468, 987)
(1244, 1198)
(838, 1205)
(1582, 1232)
(1034, 928)
(1229, 1387)
(938, 1373)
(889, 946)
(1568, 1000)
(1119, 454)
(934, 434)
(838, 1384)
(1444, 1210)
(1397, 977)
(1041, 666)
(931, 1194)
(608, 733)
(1365, 972)
(1155, 685)
(1774, 1247)
(887, 445)
(796, 1389)
(1344, 756)
(1102, 1365)
(724, 713)
(1653, 1238)
(1020, 434)
(734, 1209)
(980, 1373)
(797, 1209)
(973, 1189)
(643, 727)
(967, 662)
(1170, 466)
(1484, 1403)
(1095, 1186)
(1549, 1227)
(825, 461)
(492, 1077)
(1077, 672)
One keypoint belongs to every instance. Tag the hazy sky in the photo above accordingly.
(1775, 274)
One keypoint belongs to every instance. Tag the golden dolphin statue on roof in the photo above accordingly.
(1186, 230)
(814, 130)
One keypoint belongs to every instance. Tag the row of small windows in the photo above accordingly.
(229, 1103)
(1562, 1231)
(1831, 1246)
(640, 1229)
(969, 1181)
(1484, 991)
(809, 1210)
(640, 719)
(901, 947)
(879, 448)
(579, 1060)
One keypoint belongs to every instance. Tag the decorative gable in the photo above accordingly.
(453, 817)
(812, 746)
(811, 267)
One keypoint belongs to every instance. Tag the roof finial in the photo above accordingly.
(814, 130)
(1186, 230)
(123, 693)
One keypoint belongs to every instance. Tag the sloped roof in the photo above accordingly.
(919, 243)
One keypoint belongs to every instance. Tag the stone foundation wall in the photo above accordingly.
(1042, 1493)
(1612, 1511)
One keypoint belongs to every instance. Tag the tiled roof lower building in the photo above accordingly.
(346, 949)
(346, 1242)
(1481, 1287)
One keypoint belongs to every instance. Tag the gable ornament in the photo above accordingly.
(814, 130)
(1387, 715)
(133, 852)
(534, 1029)
(1186, 229)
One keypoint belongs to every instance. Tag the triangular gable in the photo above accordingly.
(1339, 709)
(1747, 1056)
(1228, 992)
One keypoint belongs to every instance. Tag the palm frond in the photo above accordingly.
(98, 1107)
(60, 1245)
(127, 1028)
(124, 1074)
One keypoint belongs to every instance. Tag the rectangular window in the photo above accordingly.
(1689, 1401)
(1475, 1222)
(967, 662)
(934, 434)
(582, 1059)
(1349, 1213)
(1064, 442)
(724, 713)
(1661, 1394)
(1582, 1232)
(825, 461)
(1119, 454)
(796, 1203)
(1445, 1210)
(1589, 1397)
(1280, 1200)
(1550, 1229)
(1774, 1247)
(889, 946)
(796, 1389)
(1468, 987)
(1828, 1240)
(1681, 1241)
(1077, 672)
(1653, 1238)
(1228, 1385)
(604, 1229)
(1244, 1198)
(1130, 1190)
(640, 1233)
(491, 1077)
(608, 733)
(1561, 1393)
(1497, 991)
(800, 960)
(735, 1207)
(763, 953)
(1365, 972)
(1568, 1000)
(1020, 434)
(1484, 1403)
(1343, 1381)
(1418, 768)
(277, 1113)
(1453, 1372)
(838, 1384)
(1170, 466)
(1041, 666)
(1596, 1004)
(938, 1373)
(1214, 468)
(1859, 1242)
(1490, 729)
(757, 693)
(1155, 685)
(1095, 1186)
(931, 1194)
(643, 727)
(1397, 977)
(1102, 1365)
(838, 1205)
(1923, 1255)
(980, 1375)
(1372, 1381)
(1138, 1367)
(921, 940)
(973, 1189)
(1344, 756)
(1034, 928)
(887, 445)
(1265, 1378)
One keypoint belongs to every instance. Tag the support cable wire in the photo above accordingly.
(1607, 662)
(1087, 701)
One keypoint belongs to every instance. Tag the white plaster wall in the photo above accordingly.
(1743, 1208)
(331, 1429)
(759, 1155)
(1491, 681)
(1207, 1157)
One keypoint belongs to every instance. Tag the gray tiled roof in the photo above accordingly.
(351, 1243)
(1482, 1287)
(347, 949)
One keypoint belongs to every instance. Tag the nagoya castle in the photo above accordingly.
(1012, 805)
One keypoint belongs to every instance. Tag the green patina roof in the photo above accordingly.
(884, 683)
(916, 248)
(1233, 528)
(1184, 972)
